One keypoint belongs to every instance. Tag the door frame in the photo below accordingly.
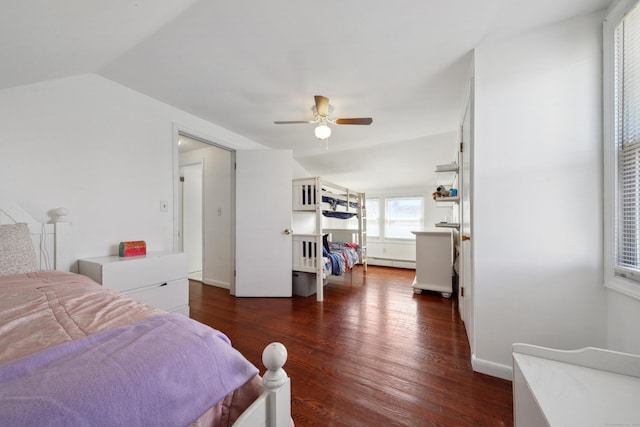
(466, 278)
(178, 130)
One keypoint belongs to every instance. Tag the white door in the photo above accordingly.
(465, 291)
(263, 222)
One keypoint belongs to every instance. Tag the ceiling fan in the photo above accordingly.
(322, 116)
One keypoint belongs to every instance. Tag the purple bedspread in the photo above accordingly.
(166, 370)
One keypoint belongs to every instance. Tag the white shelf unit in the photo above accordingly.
(451, 167)
(447, 175)
(447, 201)
(158, 279)
(308, 196)
(454, 225)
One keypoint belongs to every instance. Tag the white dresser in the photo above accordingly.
(434, 262)
(158, 278)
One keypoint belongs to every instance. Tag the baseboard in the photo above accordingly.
(491, 368)
(216, 283)
(387, 262)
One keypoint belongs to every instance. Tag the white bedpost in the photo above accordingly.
(277, 383)
(273, 407)
(362, 229)
(319, 279)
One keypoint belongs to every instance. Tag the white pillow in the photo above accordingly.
(16, 250)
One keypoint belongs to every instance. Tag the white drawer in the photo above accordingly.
(167, 296)
(125, 274)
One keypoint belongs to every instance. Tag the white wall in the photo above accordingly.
(298, 171)
(623, 318)
(538, 221)
(101, 150)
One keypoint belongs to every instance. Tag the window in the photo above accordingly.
(622, 142)
(403, 215)
(373, 217)
(626, 98)
(627, 138)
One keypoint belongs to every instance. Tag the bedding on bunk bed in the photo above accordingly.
(338, 257)
(71, 352)
(334, 203)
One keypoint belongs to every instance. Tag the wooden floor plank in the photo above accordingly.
(372, 354)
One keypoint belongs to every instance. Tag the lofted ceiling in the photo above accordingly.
(245, 64)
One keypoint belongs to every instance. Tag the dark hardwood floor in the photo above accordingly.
(372, 354)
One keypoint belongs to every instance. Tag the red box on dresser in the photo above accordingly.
(134, 248)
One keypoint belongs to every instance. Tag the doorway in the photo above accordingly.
(204, 209)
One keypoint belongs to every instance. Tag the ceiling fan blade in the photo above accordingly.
(322, 105)
(358, 121)
(292, 122)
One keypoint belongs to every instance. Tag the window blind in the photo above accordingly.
(627, 136)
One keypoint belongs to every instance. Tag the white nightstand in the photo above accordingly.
(158, 278)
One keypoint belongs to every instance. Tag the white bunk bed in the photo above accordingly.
(270, 408)
(317, 198)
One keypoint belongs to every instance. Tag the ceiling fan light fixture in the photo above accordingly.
(323, 116)
(323, 131)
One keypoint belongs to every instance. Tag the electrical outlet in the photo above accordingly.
(164, 206)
